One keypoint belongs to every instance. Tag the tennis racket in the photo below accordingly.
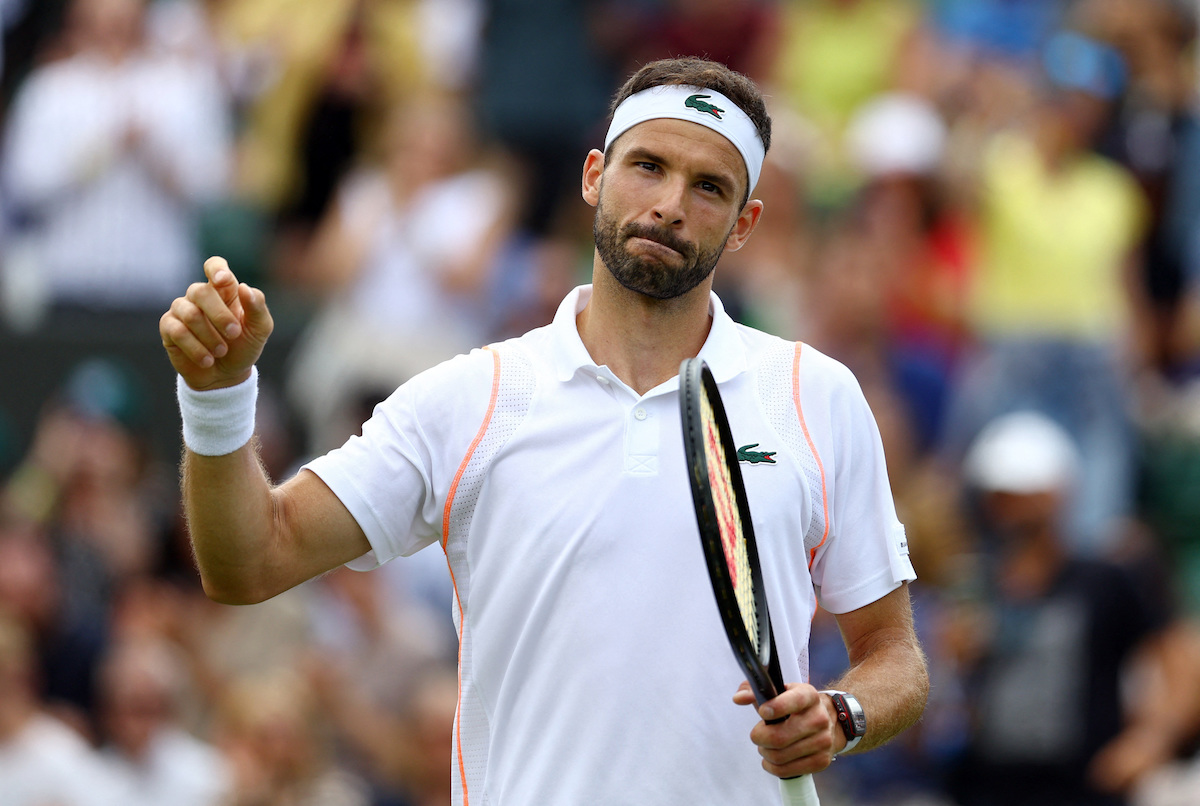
(727, 535)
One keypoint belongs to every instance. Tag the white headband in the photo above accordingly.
(698, 105)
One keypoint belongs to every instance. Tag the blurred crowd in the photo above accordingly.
(988, 209)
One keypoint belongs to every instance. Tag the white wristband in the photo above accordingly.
(217, 421)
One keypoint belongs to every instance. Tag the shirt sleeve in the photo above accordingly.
(394, 477)
(865, 553)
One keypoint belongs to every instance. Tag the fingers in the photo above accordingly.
(798, 698)
(744, 696)
(215, 332)
(187, 331)
(803, 742)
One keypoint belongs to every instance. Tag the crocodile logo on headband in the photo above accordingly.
(698, 103)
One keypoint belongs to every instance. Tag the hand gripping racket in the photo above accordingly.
(727, 534)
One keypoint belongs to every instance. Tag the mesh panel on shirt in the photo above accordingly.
(512, 390)
(779, 391)
(781, 402)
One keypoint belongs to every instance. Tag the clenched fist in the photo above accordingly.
(217, 330)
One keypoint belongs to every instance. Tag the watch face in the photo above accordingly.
(850, 714)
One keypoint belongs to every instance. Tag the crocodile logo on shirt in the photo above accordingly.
(698, 103)
(745, 454)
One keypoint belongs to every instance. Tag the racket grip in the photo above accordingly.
(799, 791)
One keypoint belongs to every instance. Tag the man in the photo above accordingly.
(1062, 637)
(110, 155)
(550, 468)
(42, 759)
(151, 758)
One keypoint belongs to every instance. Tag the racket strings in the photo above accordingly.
(729, 520)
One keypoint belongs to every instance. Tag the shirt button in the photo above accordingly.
(603, 381)
(640, 414)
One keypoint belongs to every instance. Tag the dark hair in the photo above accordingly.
(693, 72)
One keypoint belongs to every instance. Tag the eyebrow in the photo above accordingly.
(642, 154)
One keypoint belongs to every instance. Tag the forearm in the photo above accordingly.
(1168, 705)
(890, 679)
(232, 521)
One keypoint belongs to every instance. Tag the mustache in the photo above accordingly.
(662, 236)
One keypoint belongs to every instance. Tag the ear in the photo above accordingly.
(593, 169)
(744, 226)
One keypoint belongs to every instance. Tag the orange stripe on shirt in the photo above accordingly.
(812, 447)
(462, 624)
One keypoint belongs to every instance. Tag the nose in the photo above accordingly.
(669, 207)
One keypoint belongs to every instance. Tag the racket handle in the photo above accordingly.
(799, 791)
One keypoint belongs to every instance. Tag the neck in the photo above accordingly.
(641, 339)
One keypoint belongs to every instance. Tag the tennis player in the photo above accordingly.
(550, 469)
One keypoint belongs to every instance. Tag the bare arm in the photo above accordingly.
(1162, 718)
(887, 667)
(251, 540)
(887, 674)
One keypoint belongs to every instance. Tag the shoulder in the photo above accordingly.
(808, 370)
(465, 376)
(461, 391)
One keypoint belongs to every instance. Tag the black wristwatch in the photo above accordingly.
(850, 716)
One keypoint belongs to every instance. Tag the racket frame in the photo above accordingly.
(762, 666)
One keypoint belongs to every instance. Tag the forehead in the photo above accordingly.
(699, 147)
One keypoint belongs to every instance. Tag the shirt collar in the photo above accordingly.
(722, 350)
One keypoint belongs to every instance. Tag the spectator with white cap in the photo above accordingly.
(1049, 302)
(1059, 638)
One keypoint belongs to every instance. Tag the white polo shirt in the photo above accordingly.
(593, 665)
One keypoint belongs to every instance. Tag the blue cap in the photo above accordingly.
(1073, 61)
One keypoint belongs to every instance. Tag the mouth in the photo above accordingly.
(653, 246)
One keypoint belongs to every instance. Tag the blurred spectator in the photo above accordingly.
(1010, 30)
(378, 637)
(426, 748)
(110, 154)
(1056, 640)
(87, 515)
(88, 481)
(741, 34)
(543, 97)
(833, 56)
(848, 319)
(321, 79)
(377, 659)
(1156, 134)
(66, 644)
(273, 734)
(1050, 302)
(42, 760)
(922, 248)
(151, 759)
(27, 28)
(402, 263)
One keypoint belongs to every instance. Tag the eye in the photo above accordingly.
(709, 187)
(646, 166)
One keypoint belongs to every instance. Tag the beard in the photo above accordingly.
(647, 275)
